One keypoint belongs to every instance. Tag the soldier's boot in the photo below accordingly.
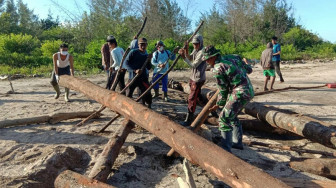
(237, 137)
(165, 96)
(66, 95)
(226, 141)
(156, 93)
(58, 92)
(189, 119)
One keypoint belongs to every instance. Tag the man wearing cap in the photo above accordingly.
(235, 92)
(63, 65)
(106, 59)
(160, 61)
(133, 63)
(116, 57)
(197, 78)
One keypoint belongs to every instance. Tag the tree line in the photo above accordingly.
(233, 26)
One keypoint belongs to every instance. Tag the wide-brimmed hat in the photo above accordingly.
(142, 41)
(209, 52)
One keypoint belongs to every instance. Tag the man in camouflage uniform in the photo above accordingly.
(235, 92)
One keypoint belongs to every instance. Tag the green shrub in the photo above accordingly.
(48, 47)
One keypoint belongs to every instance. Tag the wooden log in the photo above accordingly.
(103, 166)
(68, 179)
(307, 127)
(227, 167)
(252, 125)
(57, 117)
(289, 148)
(54, 118)
(201, 117)
(307, 183)
(321, 167)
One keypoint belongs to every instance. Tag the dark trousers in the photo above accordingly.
(276, 65)
(61, 71)
(195, 90)
(120, 79)
(143, 84)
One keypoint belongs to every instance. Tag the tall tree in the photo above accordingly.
(28, 22)
(13, 20)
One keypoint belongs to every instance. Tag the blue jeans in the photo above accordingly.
(164, 82)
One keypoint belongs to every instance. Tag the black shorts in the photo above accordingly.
(61, 71)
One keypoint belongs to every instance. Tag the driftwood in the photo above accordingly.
(201, 117)
(69, 178)
(287, 88)
(289, 148)
(52, 119)
(227, 167)
(307, 127)
(321, 167)
(103, 166)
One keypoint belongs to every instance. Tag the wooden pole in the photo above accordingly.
(227, 167)
(103, 166)
(201, 117)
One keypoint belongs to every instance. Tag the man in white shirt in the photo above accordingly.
(63, 65)
(116, 57)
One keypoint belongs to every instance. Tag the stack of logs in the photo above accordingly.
(215, 160)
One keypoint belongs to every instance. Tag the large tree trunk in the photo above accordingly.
(307, 127)
(103, 166)
(227, 167)
(321, 167)
(69, 178)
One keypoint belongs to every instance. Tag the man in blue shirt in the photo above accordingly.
(276, 57)
(133, 63)
(161, 66)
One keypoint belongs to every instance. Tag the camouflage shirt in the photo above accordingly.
(231, 76)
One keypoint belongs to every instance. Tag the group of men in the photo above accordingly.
(230, 72)
(270, 62)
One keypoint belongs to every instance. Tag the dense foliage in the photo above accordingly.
(233, 26)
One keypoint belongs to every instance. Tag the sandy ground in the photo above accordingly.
(33, 155)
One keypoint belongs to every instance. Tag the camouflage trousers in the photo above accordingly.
(228, 117)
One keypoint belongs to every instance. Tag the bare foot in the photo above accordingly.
(265, 89)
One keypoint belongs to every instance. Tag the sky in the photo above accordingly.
(317, 16)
